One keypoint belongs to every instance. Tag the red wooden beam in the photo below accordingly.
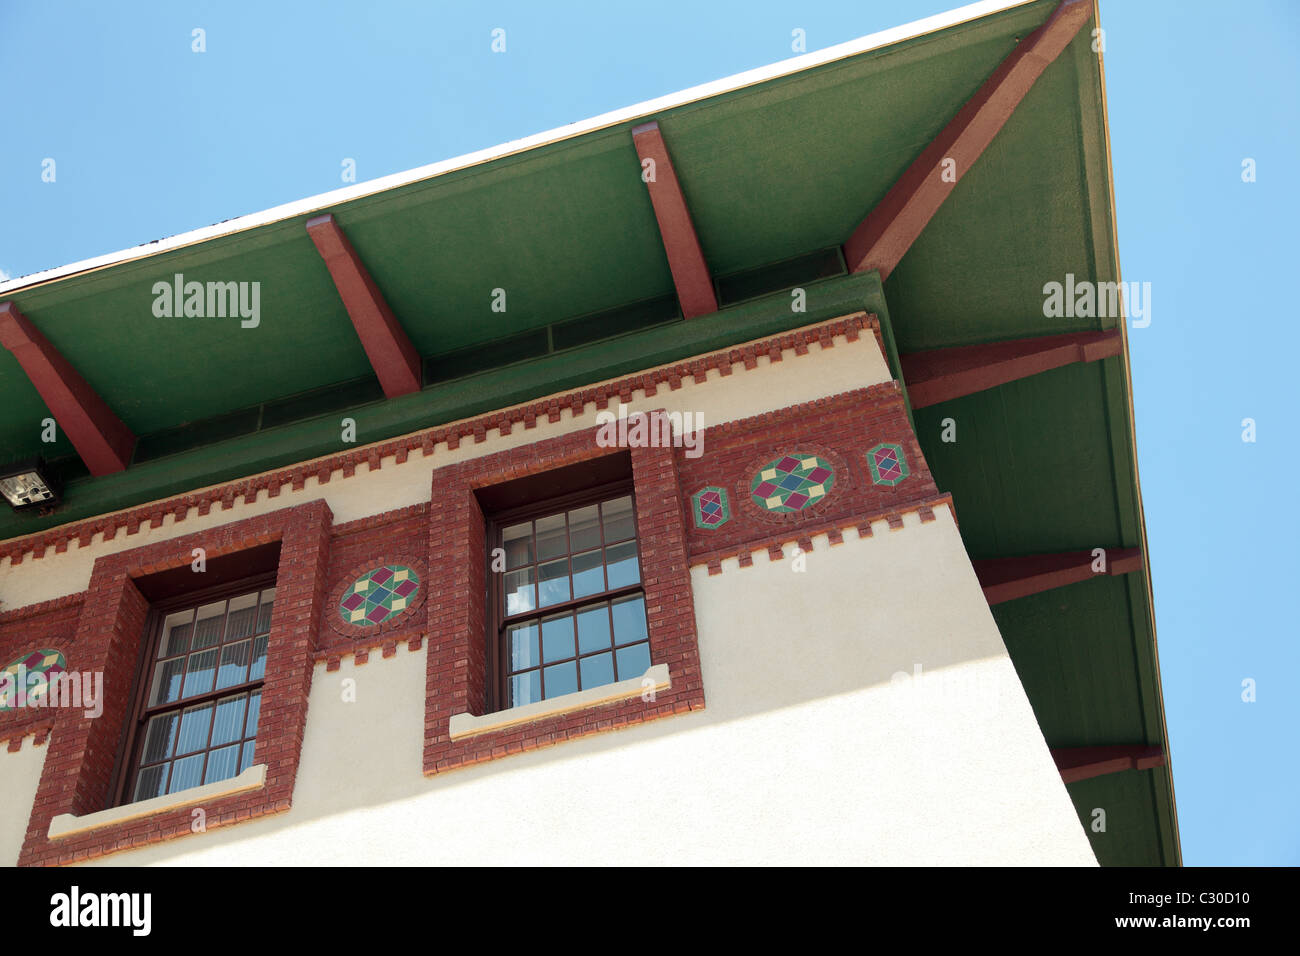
(685, 257)
(390, 351)
(938, 375)
(100, 437)
(1080, 763)
(889, 230)
(1005, 579)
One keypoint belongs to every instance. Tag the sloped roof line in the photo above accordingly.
(647, 108)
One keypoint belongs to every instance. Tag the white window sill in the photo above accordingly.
(468, 725)
(66, 825)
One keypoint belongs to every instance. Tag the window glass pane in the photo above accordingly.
(264, 611)
(246, 759)
(551, 538)
(629, 620)
(520, 593)
(159, 738)
(621, 565)
(176, 633)
(561, 679)
(619, 523)
(202, 670)
(243, 617)
(588, 574)
(254, 711)
(228, 726)
(633, 661)
(557, 639)
(597, 670)
(593, 629)
(553, 583)
(150, 782)
(194, 729)
(258, 668)
(517, 540)
(234, 663)
(185, 773)
(167, 681)
(525, 688)
(584, 528)
(522, 641)
(222, 764)
(207, 627)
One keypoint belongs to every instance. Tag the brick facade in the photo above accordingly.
(457, 675)
(79, 765)
(444, 540)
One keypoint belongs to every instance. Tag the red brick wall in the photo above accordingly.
(457, 666)
(396, 537)
(77, 777)
(50, 624)
(841, 428)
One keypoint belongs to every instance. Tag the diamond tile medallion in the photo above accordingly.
(379, 595)
(710, 508)
(791, 483)
(888, 467)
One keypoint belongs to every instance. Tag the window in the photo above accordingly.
(569, 605)
(200, 692)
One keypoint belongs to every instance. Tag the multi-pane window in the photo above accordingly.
(203, 694)
(570, 608)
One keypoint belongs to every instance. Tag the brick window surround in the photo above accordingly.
(79, 764)
(458, 619)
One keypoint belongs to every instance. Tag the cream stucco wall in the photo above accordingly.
(20, 772)
(863, 710)
(811, 748)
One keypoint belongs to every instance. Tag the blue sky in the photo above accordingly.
(151, 140)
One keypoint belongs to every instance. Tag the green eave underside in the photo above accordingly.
(771, 172)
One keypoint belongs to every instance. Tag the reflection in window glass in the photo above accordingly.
(222, 644)
(571, 559)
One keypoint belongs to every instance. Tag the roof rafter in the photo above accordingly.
(938, 375)
(889, 230)
(101, 438)
(387, 345)
(1080, 763)
(685, 257)
(1005, 579)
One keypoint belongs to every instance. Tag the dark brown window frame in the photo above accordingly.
(127, 764)
(498, 684)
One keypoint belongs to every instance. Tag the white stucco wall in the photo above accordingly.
(807, 751)
(810, 749)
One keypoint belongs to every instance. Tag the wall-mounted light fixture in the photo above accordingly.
(28, 484)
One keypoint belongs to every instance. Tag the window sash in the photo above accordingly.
(131, 753)
(503, 674)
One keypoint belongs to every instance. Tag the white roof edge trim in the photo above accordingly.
(322, 201)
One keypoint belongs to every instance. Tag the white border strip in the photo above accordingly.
(647, 108)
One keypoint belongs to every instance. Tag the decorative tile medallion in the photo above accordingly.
(710, 507)
(791, 483)
(888, 467)
(16, 687)
(379, 595)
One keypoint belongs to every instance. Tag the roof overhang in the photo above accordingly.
(774, 172)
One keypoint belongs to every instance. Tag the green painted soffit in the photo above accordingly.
(771, 172)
